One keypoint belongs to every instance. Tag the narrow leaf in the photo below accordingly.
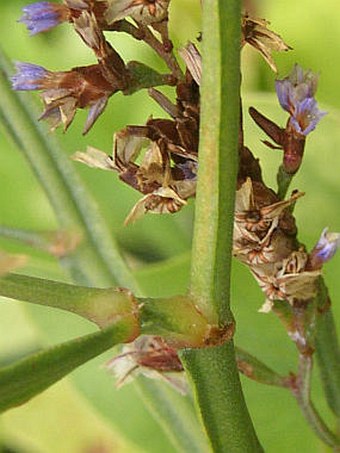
(28, 377)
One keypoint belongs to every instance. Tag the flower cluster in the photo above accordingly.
(91, 86)
(160, 158)
(166, 174)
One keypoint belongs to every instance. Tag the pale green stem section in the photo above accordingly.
(98, 262)
(101, 306)
(284, 180)
(176, 318)
(302, 395)
(256, 370)
(213, 370)
(218, 159)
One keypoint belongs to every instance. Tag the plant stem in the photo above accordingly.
(219, 395)
(218, 158)
(302, 395)
(283, 182)
(328, 350)
(213, 370)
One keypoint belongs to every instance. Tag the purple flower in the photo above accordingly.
(296, 96)
(28, 77)
(325, 248)
(306, 116)
(42, 16)
(189, 169)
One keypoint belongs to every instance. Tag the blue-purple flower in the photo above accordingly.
(28, 77)
(296, 96)
(325, 248)
(42, 16)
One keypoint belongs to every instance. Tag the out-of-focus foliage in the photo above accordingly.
(86, 411)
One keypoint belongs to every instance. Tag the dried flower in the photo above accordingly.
(193, 60)
(42, 16)
(290, 282)
(256, 33)
(152, 357)
(145, 12)
(64, 92)
(296, 96)
(260, 220)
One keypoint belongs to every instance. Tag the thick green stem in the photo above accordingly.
(220, 398)
(213, 371)
(218, 158)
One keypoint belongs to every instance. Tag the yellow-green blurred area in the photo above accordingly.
(85, 413)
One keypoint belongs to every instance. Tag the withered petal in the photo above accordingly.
(95, 111)
(94, 158)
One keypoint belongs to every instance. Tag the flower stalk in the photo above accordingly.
(213, 371)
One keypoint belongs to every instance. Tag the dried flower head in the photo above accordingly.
(64, 92)
(152, 357)
(256, 33)
(260, 220)
(145, 12)
(290, 282)
(296, 96)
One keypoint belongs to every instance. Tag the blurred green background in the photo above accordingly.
(84, 413)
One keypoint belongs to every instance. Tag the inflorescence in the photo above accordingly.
(160, 159)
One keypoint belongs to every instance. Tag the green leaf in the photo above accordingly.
(28, 377)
